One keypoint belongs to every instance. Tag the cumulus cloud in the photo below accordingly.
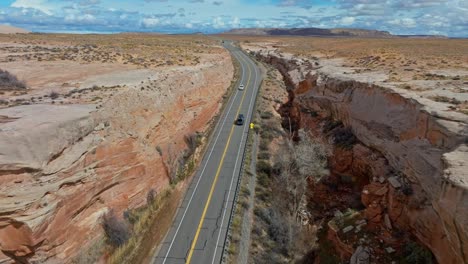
(150, 22)
(404, 22)
(347, 21)
(218, 22)
(33, 4)
(397, 16)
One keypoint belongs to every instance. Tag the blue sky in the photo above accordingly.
(445, 17)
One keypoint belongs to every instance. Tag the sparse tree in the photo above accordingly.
(171, 164)
(299, 163)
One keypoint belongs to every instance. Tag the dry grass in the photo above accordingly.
(143, 50)
(149, 229)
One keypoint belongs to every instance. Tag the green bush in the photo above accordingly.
(417, 254)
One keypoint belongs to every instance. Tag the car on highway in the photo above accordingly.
(241, 87)
(240, 120)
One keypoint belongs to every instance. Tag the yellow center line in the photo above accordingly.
(194, 242)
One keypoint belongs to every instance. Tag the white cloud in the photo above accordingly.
(218, 22)
(347, 21)
(35, 4)
(80, 18)
(235, 22)
(150, 22)
(404, 22)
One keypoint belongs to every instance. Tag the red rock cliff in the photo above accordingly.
(62, 167)
(422, 149)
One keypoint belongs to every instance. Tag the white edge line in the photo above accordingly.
(235, 165)
(204, 167)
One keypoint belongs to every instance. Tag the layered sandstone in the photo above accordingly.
(63, 166)
(412, 154)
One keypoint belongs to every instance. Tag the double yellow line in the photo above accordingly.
(202, 219)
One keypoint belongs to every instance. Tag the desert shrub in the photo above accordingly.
(262, 178)
(10, 81)
(264, 155)
(117, 231)
(445, 99)
(150, 197)
(193, 141)
(263, 167)
(266, 115)
(344, 137)
(53, 95)
(264, 144)
(416, 254)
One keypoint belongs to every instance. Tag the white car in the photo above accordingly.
(241, 87)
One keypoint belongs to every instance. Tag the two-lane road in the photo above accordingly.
(199, 230)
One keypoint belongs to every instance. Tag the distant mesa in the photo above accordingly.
(333, 32)
(5, 29)
(309, 32)
(423, 36)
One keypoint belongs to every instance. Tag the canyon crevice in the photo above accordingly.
(410, 162)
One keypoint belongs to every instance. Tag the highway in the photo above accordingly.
(199, 230)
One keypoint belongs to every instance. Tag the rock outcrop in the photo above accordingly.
(412, 156)
(62, 167)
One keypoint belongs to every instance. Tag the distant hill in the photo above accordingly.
(309, 32)
(423, 36)
(4, 29)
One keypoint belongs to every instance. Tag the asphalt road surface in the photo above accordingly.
(199, 230)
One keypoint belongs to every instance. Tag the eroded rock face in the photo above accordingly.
(62, 167)
(421, 183)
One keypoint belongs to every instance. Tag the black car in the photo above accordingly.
(240, 120)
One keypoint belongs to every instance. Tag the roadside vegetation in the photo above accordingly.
(241, 205)
(279, 232)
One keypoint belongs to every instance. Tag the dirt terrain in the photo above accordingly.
(395, 113)
(101, 118)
